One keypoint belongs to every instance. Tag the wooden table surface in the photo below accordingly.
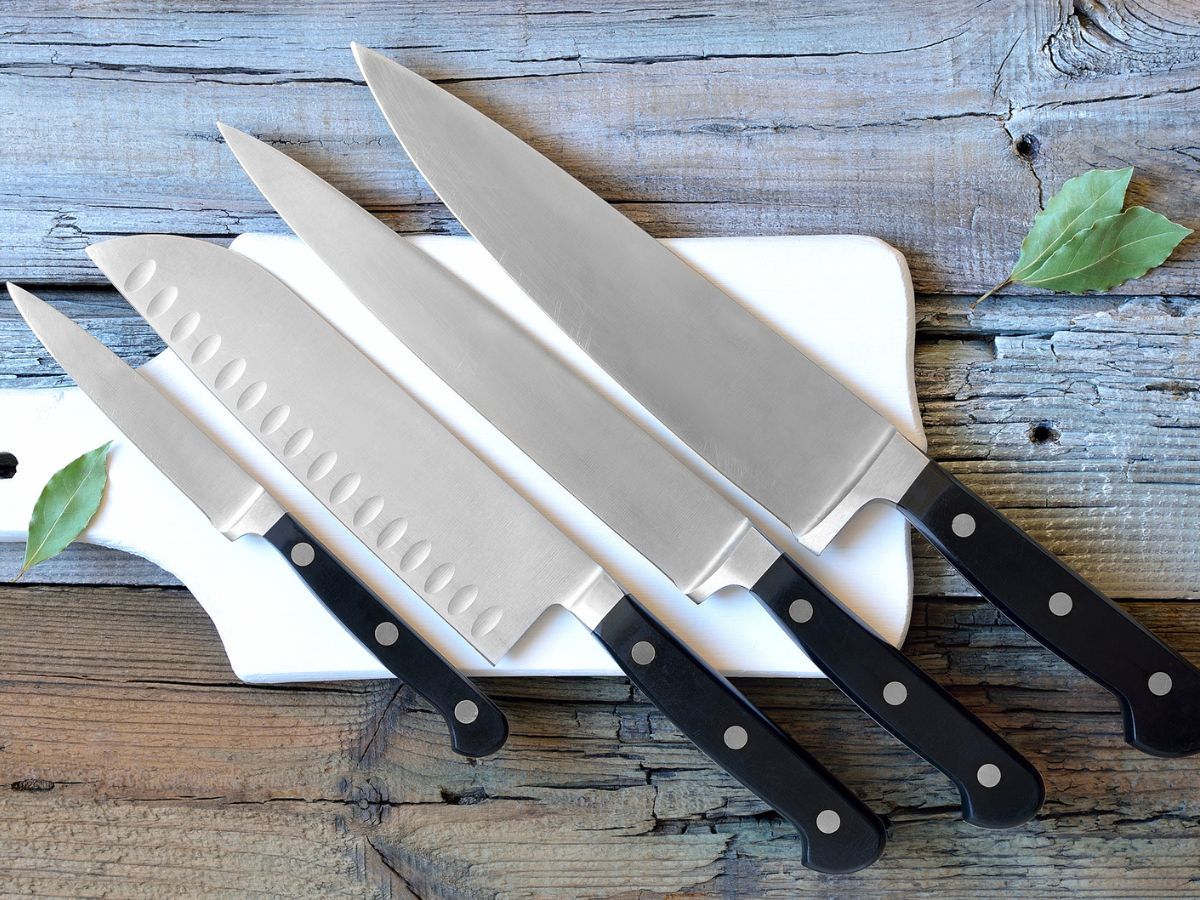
(133, 764)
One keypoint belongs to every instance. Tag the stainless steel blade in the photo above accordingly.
(601, 456)
(748, 401)
(449, 526)
(234, 502)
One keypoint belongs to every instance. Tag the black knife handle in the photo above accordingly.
(477, 726)
(1159, 690)
(998, 786)
(839, 833)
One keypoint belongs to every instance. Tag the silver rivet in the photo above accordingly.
(387, 633)
(1061, 603)
(894, 693)
(643, 653)
(828, 821)
(1160, 684)
(800, 611)
(303, 554)
(466, 711)
(736, 737)
(963, 525)
(988, 775)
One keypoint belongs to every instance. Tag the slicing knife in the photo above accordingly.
(465, 541)
(771, 420)
(237, 506)
(629, 480)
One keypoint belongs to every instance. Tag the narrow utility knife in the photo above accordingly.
(465, 541)
(630, 481)
(774, 422)
(237, 505)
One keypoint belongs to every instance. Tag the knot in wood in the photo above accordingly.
(1027, 147)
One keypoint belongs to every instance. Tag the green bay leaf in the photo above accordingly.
(1111, 251)
(1080, 202)
(65, 506)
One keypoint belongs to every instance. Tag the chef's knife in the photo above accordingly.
(748, 401)
(629, 480)
(237, 505)
(486, 560)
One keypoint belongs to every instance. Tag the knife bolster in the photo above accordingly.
(887, 477)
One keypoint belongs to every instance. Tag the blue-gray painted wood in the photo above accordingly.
(716, 118)
(135, 762)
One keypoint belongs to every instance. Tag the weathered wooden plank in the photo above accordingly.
(85, 564)
(1083, 424)
(136, 765)
(58, 847)
(717, 120)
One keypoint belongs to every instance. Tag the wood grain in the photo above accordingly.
(717, 119)
(133, 764)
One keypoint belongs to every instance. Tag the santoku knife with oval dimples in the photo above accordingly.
(237, 505)
(739, 394)
(629, 480)
(464, 540)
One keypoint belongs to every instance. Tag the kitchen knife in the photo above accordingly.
(237, 506)
(629, 480)
(753, 405)
(467, 543)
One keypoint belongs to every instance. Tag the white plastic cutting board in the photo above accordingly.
(846, 300)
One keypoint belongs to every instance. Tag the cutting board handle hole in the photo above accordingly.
(8, 465)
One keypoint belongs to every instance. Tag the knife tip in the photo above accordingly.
(24, 301)
(104, 255)
(365, 56)
(230, 133)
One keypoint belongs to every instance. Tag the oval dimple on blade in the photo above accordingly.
(161, 302)
(230, 374)
(140, 276)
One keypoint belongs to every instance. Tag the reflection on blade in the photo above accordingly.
(584, 442)
(738, 393)
(465, 541)
(184, 453)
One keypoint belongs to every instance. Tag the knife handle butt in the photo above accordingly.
(1158, 690)
(839, 833)
(999, 788)
(477, 726)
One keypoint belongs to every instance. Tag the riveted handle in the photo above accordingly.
(840, 833)
(1159, 690)
(477, 726)
(999, 788)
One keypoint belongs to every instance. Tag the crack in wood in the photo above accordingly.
(379, 722)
